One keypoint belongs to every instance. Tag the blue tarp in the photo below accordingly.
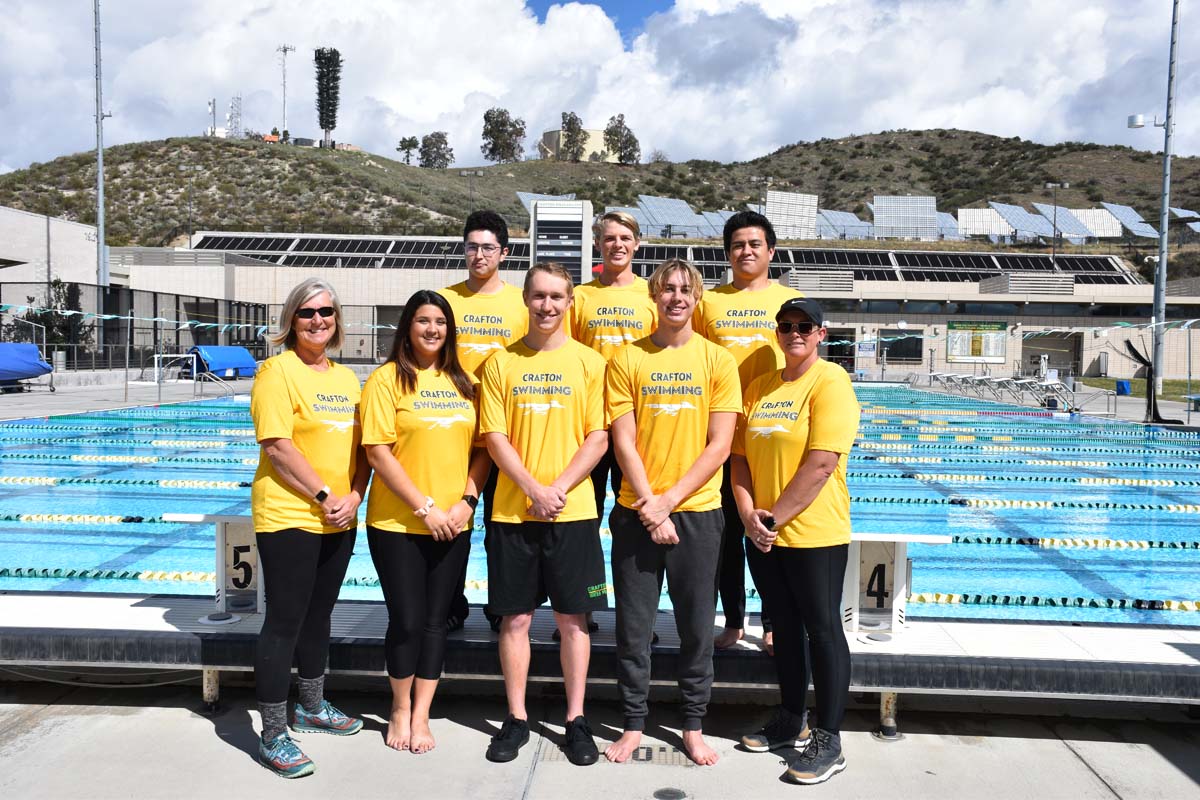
(226, 362)
(19, 361)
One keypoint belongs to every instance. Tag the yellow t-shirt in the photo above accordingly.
(485, 324)
(743, 322)
(318, 411)
(782, 422)
(546, 402)
(606, 318)
(431, 432)
(671, 392)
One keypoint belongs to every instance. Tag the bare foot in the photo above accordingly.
(399, 735)
(698, 750)
(727, 638)
(422, 737)
(769, 642)
(619, 751)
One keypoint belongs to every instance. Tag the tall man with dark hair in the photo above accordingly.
(489, 315)
(542, 418)
(740, 316)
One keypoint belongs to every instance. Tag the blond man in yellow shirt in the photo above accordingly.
(611, 312)
(542, 418)
(740, 317)
(673, 401)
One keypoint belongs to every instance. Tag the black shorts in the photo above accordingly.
(529, 562)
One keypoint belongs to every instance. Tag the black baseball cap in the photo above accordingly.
(806, 306)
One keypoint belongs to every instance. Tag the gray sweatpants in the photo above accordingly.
(638, 565)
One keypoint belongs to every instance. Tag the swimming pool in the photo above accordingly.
(1054, 518)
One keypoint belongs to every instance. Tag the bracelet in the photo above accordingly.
(471, 500)
(423, 511)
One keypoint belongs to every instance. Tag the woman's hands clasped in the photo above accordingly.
(341, 512)
(757, 531)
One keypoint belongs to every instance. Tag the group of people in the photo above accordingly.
(710, 414)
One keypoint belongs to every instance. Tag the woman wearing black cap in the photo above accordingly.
(789, 472)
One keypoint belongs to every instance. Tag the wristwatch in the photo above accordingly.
(471, 500)
(423, 511)
(322, 494)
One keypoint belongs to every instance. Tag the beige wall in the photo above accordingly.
(68, 247)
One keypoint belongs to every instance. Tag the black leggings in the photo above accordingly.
(736, 553)
(804, 586)
(303, 574)
(607, 472)
(419, 577)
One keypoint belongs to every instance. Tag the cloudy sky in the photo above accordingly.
(718, 79)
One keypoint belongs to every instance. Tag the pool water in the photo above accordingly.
(1054, 517)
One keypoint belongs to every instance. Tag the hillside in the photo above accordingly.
(153, 189)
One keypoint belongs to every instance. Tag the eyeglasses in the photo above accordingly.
(309, 313)
(488, 249)
(802, 328)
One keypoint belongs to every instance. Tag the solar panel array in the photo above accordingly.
(1131, 221)
(842, 225)
(675, 217)
(1024, 224)
(1184, 213)
(645, 224)
(1099, 221)
(982, 222)
(793, 215)
(905, 217)
(378, 252)
(527, 199)
(948, 226)
(1068, 225)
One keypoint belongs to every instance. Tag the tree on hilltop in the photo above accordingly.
(573, 140)
(620, 141)
(435, 152)
(503, 136)
(328, 62)
(406, 146)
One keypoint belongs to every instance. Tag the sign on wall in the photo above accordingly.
(976, 342)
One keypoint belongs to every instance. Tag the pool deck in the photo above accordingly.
(72, 742)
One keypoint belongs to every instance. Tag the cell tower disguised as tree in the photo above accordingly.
(328, 62)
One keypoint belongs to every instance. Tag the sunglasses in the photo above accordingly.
(309, 313)
(802, 328)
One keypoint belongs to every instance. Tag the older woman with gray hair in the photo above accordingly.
(312, 475)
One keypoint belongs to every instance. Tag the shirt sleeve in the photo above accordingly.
(727, 386)
(379, 408)
(618, 391)
(594, 419)
(492, 413)
(271, 405)
(833, 415)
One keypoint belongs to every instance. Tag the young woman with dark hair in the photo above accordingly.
(420, 428)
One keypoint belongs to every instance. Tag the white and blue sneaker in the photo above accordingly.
(327, 720)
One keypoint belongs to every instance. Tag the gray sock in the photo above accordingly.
(274, 719)
(312, 693)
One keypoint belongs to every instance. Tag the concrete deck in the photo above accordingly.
(70, 741)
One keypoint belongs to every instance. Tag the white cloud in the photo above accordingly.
(718, 79)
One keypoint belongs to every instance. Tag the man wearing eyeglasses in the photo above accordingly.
(740, 316)
(489, 315)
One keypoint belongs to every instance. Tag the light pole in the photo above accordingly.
(1054, 222)
(1160, 269)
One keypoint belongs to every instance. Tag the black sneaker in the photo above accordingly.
(784, 730)
(513, 735)
(820, 761)
(580, 743)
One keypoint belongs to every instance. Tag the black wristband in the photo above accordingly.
(471, 500)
